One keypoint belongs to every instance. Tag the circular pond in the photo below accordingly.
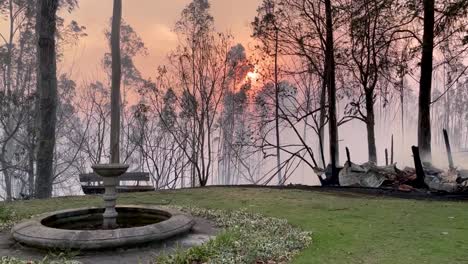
(92, 219)
(82, 228)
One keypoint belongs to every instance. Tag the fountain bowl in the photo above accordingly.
(81, 228)
(110, 170)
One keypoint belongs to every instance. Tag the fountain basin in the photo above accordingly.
(80, 228)
(112, 170)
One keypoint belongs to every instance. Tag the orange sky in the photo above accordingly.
(153, 20)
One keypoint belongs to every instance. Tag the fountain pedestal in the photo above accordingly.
(110, 174)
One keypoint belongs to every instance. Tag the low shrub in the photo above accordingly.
(7, 218)
(246, 238)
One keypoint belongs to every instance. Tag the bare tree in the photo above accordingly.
(201, 63)
(47, 88)
(437, 18)
(305, 29)
(371, 29)
(232, 120)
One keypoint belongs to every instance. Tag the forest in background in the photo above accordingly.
(324, 75)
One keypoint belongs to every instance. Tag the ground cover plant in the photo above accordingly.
(246, 238)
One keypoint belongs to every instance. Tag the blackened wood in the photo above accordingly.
(386, 157)
(391, 152)
(331, 85)
(419, 168)
(449, 150)
(348, 156)
(425, 84)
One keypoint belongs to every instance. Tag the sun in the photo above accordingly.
(253, 75)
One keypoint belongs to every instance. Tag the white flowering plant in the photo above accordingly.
(245, 238)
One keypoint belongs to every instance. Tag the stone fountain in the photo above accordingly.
(112, 226)
(102, 228)
(110, 174)
(82, 228)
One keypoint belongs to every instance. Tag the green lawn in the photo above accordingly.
(346, 228)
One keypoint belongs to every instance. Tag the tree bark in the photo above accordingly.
(323, 99)
(116, 77)
(47, 89)
(331, 85)
(370, 125)
(424, 117)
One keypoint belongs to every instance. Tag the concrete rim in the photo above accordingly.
(33, 233)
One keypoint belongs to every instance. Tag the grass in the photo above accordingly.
(50, 258)
(346, 228)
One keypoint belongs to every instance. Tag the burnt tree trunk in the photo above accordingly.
(425, 85)
(419, 168)
(386, 157)
(331, 85)
(391, 152)
(348, 156)
(47, 90)
(449, 150)
(370, 125)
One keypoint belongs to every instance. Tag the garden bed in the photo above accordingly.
(246, 238)
(348, 227)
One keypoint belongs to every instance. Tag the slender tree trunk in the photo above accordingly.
(6, 174)
(323, 113)
(370, 125)
(402, 110)
(220, 152)
(331, 85)
(8, 79)
(47, 89)
(447, 103)
(277, 106)
(31, 173)
(194, 153)
(424, 117)
(33, 123)
(194, 161)
(116, 77)
(9, 57)
(392, 152)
